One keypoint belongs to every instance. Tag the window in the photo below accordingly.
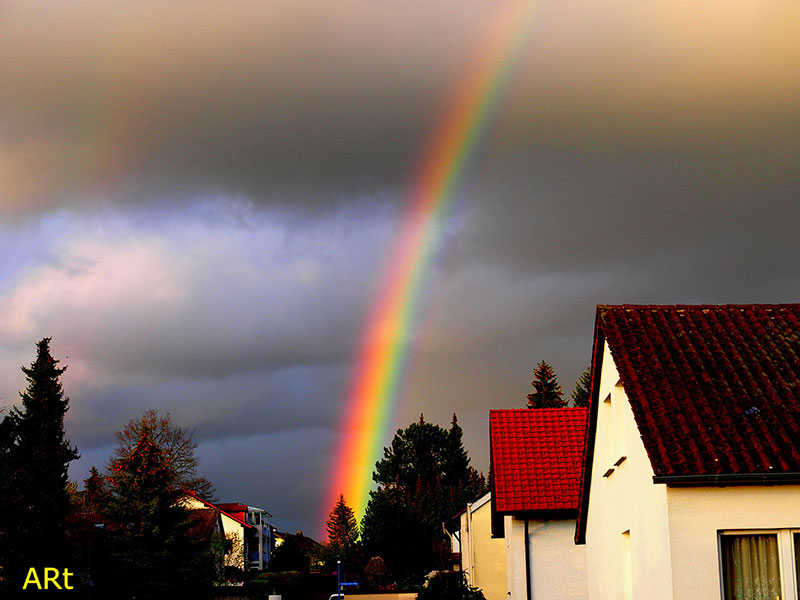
(627, 567)
(760, 565)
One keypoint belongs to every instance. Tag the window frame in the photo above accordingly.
(786, 557)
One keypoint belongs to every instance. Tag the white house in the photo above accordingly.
(691, 481)
(253, 524)
(246, 527)
(482, 557)
(535, 474)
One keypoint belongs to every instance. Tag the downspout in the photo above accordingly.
(471, 549)
(527, 563)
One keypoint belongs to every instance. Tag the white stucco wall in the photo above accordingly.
(557, 565)
(483, 557)
(627, 532)
(697, 515)
(673, 544)
(514, 535)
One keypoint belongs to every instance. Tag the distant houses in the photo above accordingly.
(687, 480)
(246, 529)
(480, 555)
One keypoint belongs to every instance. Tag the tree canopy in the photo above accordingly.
(342, 544)
(342, 527)
(153, 552)
(580, 396)
(547, 392)
(424, 478)
(176, 445)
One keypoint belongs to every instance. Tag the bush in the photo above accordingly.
(449, 585)
(288, 583)
(375, 576)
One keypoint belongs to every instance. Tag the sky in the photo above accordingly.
(198, 201)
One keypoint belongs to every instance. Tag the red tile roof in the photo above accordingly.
(536, 458)
(221, 508)
(714, 389)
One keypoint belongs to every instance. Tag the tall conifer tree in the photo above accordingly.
(342, 543)
(583, 387)
(424, 478)
(547, 392)
(34, 460)
(342, 527)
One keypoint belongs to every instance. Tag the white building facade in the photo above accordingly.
(691, 487)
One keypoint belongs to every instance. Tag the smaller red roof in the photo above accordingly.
(233, 507)
(221, 508)
(536, 459)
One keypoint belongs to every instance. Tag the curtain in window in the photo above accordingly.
(751, 568)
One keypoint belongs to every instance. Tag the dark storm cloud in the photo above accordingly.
(279, 102)
(309, 105)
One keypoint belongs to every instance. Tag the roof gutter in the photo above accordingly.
(725, 479)
(542, 513)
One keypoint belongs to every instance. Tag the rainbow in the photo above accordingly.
(385, 340)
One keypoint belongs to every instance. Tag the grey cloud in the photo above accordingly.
(268, 402)
(201, 300)
(159, 101)
(255, 471)
(302, 105)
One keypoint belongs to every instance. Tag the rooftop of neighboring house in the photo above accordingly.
(234, 507)
(536, 459)
(304, 542)
(714, 390)
(221, 508)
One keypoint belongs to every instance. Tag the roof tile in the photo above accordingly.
(536, 457)
(713, 389)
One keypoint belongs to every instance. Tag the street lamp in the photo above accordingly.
(339, 578)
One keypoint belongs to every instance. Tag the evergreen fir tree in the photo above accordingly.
(10, 497)
(423, 479)
(87, 540)
(342, 527)
(95, 491)
(456, 459)
(547, 393)
(34, 460)
(580, 396)
(342, 544)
